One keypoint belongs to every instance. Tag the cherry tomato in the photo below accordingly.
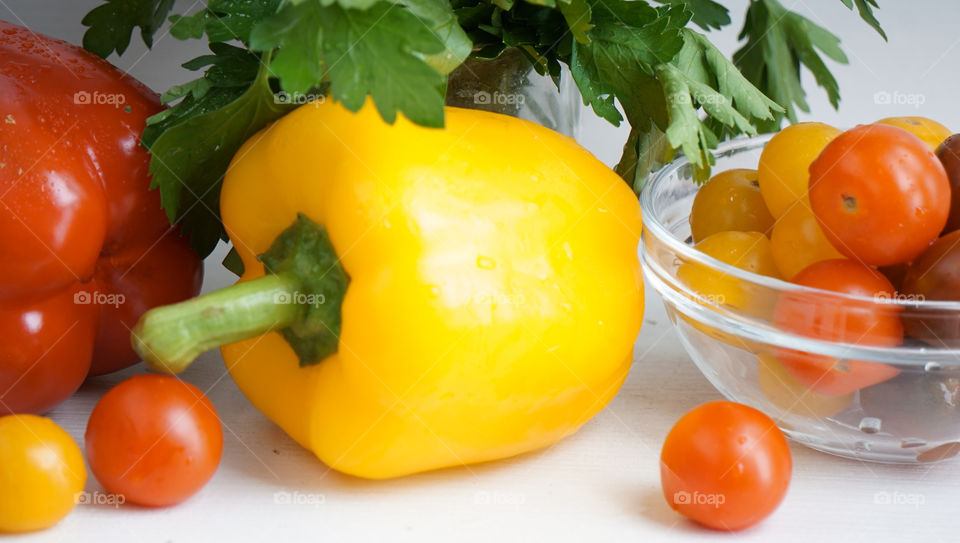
(154, 439)
(880, 194)
(949, 155)
(798, 241)
(785, 392)
(748, 251)
(935, 275)
(41, 473)
(824, 317)
(730, 200)
(784, 170)
(725, 465)
(929, 131)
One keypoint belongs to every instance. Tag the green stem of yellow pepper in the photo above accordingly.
(300, 296)
(169, 338)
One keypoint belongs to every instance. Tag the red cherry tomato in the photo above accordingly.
(935, 275)
(880, 194)
(949, 155)
(154, 439)
(725, 465)
(824, 317)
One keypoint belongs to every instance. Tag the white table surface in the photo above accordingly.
(602, 483)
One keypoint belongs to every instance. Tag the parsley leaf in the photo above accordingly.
(725, 94)
(378, 51)
(111, 24)
(578, 15)
(367, 57)
(192, 143)
(539, 32)
(707, 14)
(223, 20)
(646, 150)
(778, 42)
(662, 95)
(443, 22)
(865, 8)
(698, 77)
(629, 39)
(295, 29)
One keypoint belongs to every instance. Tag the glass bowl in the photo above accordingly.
(897, 403)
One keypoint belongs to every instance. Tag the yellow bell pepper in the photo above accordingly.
(423, 297)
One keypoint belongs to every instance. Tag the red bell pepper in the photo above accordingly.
(85, 247)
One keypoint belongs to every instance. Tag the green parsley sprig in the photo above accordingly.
(632, 60)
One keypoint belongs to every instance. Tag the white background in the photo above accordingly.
(602, 483)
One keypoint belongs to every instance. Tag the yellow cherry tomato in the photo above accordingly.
(784, 170)
(730, 200)
(788, 394)
(41, 473)
(797, 242)
(748, 251)
(931, 132)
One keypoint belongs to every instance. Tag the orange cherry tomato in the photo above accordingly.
(822, 316)
(725, 465)
(154, 439)
(880, 194)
